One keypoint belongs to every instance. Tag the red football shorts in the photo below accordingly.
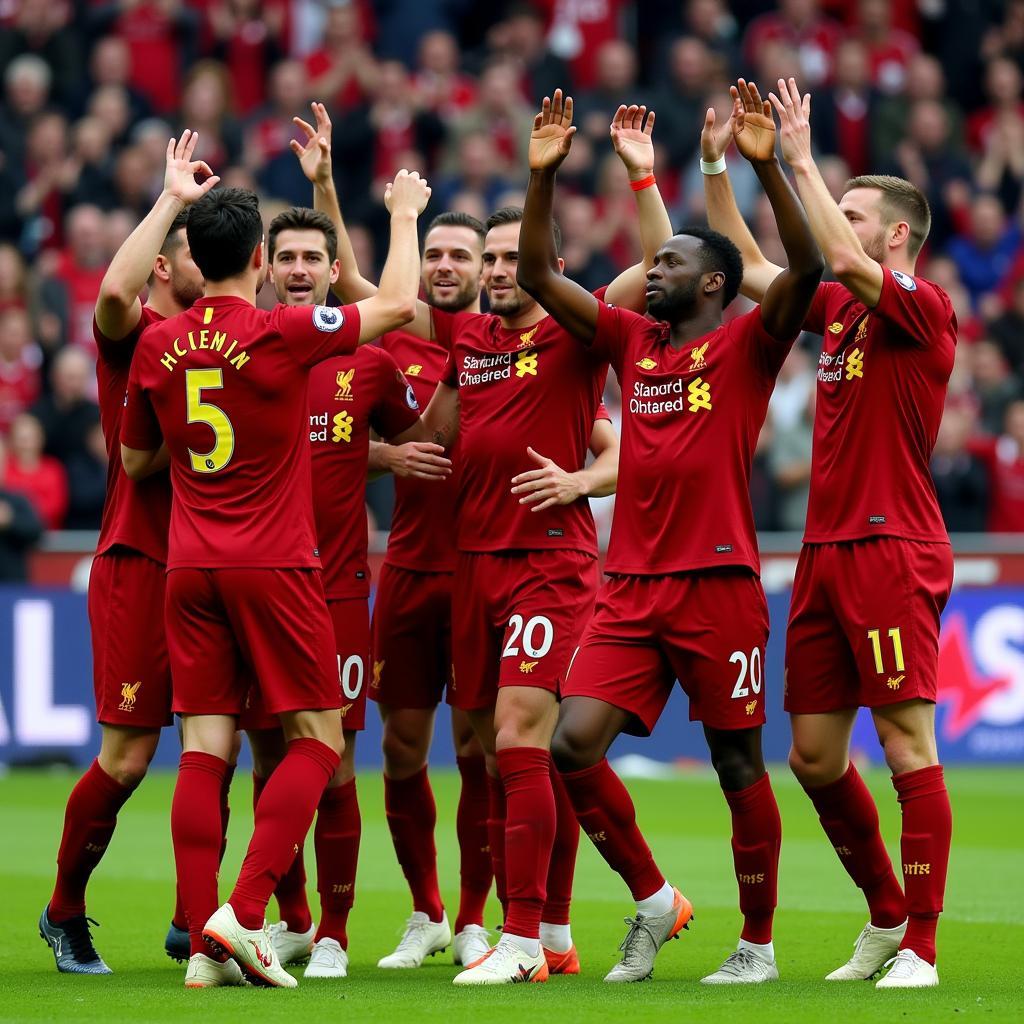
(515, 621)
(350, 620)
(864, 624)
(412, 642)
(706, 629)
(227, 627)
(131, 675)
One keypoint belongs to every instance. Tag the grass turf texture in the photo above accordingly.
(687, 824)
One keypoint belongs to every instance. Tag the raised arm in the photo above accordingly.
(832, 231)
(539, 272)
(441, 416)
(788, 298)
(118, 306)
(723, 213)
(631, 136)
(315, 159)
(394, 305)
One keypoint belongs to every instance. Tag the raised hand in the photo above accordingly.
(753, 125)
(180, 174)
(315, 156)
(794, 120)
(552, 133)
(631, 138)
(714, 141)
(408, 192)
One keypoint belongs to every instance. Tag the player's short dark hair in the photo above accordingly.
(717, 253)
(901, 200)
(457, 219)
(302, 218)
(514, 215)
(173, 239)
(223, 229)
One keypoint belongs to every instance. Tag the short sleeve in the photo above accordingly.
(444, 325)
(396, 408)
(602, 413)
(140, 428)
(767, 353)
(921, 310)
(817, 315)
(611, 335)
(316, 333)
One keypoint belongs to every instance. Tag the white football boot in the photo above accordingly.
(421, 938)
(874, 946)
(908, 970)
(328, 960)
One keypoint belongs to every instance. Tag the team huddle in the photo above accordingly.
(231, 585)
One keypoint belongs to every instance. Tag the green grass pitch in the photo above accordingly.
(981, 936)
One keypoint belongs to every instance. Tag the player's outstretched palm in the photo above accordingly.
(315, 156)
(753, 124)
(181, 171)
(552, 133)
(407, 192)
(714, 141)
(631, 138)
(794, 113)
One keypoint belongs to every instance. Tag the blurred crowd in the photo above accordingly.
(92, 90)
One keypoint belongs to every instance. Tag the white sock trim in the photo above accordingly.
(556, 937)
(657, 903)
(765, 951)
(530, 946)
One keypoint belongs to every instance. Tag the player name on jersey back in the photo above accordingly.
(224, 384)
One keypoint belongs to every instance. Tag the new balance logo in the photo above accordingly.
(854, 364)
(917, 868)
(699, 393)
(647, 363)
(836, 328)
(414, 370)
(526, 667)
(893, 682)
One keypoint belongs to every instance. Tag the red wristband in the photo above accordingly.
(639, 186)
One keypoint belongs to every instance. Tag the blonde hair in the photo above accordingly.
(901, 200)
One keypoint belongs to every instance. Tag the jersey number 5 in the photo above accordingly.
(196, 382)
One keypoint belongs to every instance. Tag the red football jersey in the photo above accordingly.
(882, 380)
(538, 387)
(226, 385)
(135, 515)
(421, 535)
(347, 396)
(690, 422)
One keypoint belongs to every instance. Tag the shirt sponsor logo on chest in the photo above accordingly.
(672, 394)
(846, 364)
(499, 366)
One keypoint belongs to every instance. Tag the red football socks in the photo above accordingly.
(336, 841)
(496, 837)
(89, 820)
(412, 815)
(924, 844)
(292, 903)
(563, 855)
(850, 820)
(474, 854)
(606, 813)
(756, 840)
(179, 920)
(283, 816)
(197, 828)
(529, 835)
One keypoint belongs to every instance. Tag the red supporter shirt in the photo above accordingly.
(19, 388)
(83, 288)
(135, 515)
(690, 423)
(882, 380)
(538, 387)
(226, 386)
(347, 396)
(421, 535)
(1004, 459)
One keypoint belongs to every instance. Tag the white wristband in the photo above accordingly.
(713, 168)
